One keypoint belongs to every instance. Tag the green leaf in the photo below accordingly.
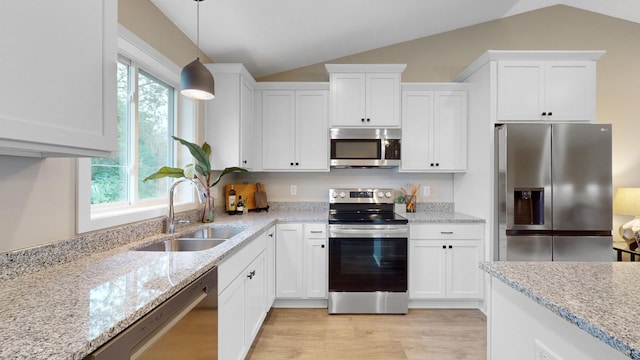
(207, 149)
(166, 171)
(197, 152)
(190, 171)
(202, 170)
(226, 171)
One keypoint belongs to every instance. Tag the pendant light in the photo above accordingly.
(196, 81)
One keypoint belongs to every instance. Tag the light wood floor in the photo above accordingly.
(421, 334)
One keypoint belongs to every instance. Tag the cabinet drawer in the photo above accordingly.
(447, 231)
(315, 231)
(232, 266)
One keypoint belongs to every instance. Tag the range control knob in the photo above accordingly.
(387, 194)
(380, 194)
(334, 194)
(342, 194)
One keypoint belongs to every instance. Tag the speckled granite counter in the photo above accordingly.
(63, 301)
(441, 217)
(598, 298)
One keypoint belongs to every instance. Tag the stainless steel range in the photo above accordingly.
(367, 253)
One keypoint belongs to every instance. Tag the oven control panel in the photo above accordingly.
(376, 196)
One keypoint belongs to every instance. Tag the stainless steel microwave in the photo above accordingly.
(365, 147)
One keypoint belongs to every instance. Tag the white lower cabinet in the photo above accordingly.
(301, 261)
(270, 265)
(443, 261)
(242, 298)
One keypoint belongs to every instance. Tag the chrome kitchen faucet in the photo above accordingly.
(201, 197)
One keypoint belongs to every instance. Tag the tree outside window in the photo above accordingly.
(146, 107)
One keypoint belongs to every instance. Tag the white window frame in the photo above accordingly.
(101, 217)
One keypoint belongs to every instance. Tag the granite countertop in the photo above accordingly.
(69, 308)
(441, 217)
(599, 298)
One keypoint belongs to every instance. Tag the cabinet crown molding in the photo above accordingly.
(365, 68)
(528, 55)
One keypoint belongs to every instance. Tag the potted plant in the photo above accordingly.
(200, 173)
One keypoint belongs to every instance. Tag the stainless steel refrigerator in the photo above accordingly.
(553, 186)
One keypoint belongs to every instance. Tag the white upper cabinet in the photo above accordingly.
(295, 131)
(546, 90)
(58, 71)
(365, 95)
(434, 127)
(229, 119)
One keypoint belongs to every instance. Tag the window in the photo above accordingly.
(111, 191)
(145, 122)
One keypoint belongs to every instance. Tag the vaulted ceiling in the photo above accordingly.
(271, 36)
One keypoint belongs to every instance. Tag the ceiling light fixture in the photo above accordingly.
(196, 81)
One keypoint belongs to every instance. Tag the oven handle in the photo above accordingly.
(371, 232)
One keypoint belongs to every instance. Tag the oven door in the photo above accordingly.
(368, 260)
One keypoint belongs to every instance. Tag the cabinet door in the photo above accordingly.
(312, 130)
(223, 120)
(464, 278)
(246, 125)
(427, 270)
(347, 99)
(449, 136)
(231, 321)
(65, 103)
(417, 118)
(278, 129)
(254, 278)
(289, 269)
(520, 90)
(383, 99)
(316, 264)
(270, 265)
(569, 90)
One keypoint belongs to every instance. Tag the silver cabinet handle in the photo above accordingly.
(446, 232)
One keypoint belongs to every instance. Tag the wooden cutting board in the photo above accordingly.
(260, 197)
(247, 192)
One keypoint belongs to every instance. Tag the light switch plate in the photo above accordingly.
(426, 190)
(293, 190)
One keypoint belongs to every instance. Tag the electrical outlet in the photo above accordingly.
(293, 190)
(543, 352)
(426, 190)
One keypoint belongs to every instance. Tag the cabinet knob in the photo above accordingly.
(450, 246)
(297, 164)
(291, 164)
(544, 114)
(431, 164)
(271, 235)
(368, 120)
(322, 246)
(362, 119)
(244, 161)
(437, 164)
(550, 113)
(444, 246)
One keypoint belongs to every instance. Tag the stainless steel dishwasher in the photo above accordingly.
(183, 327)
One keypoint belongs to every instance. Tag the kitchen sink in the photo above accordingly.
(219, 232)
(182, 245)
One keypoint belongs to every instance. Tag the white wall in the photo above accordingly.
(315, 186)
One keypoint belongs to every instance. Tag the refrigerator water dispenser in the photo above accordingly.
(528, 206)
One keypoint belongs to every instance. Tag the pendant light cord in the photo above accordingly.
(197, 27)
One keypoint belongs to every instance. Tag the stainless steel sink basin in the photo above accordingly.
(182, 245)
(220, 232)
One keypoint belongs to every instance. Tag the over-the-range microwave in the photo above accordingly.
(365, 147)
